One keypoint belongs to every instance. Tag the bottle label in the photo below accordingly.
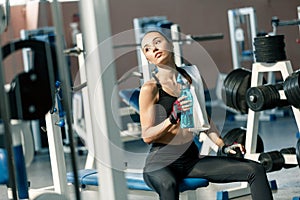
(187, 118)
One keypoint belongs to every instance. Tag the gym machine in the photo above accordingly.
(21, 103)
(242, 29)
(43, 34)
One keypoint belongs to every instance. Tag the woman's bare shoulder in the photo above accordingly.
(149, 87)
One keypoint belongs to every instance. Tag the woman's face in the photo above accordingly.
(157, 49)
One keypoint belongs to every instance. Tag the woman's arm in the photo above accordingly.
(214, 135)
(147, 99)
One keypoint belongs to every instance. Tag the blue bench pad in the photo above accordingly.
(131, 97)
(134, 181)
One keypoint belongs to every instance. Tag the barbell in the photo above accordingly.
(189, 39)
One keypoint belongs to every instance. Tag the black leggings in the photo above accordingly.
(165, 179)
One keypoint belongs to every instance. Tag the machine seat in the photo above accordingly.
(134, 180)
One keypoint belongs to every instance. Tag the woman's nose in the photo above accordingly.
(154, 48)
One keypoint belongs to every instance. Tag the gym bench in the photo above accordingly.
(88, 178)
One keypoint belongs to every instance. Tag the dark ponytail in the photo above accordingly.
(184, 74)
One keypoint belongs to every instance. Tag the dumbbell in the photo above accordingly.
(265, 97)
(275, 161)
(291, 150)
(272, 161)
(292, 89)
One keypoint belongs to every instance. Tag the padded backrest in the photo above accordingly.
(131, 97)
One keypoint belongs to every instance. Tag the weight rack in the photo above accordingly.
(258, 69)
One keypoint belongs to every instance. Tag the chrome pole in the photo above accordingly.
(66, 87)
(5, 111)
(100, 73)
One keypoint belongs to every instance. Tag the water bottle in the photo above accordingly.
(186, 118)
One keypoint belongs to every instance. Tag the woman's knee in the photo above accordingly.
(160, 183)
(257, 170)
(168, 184)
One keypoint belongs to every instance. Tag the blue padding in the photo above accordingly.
(3, 167)
(82, 174)
(134, 181)
(21, 172)
(131, 97)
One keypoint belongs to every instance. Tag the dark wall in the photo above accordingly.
(196, 17)
(200, 17)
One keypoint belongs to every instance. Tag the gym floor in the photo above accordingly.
(276, 134)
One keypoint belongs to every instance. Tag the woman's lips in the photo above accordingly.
(157, 55)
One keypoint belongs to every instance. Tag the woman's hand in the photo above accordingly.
(185, 104)
(176, 112)
(231, 149)
(180, 105)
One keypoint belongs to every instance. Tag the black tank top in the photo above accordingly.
(164, 103)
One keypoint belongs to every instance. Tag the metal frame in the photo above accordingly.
(96, 31)
(258, 69)
(233, 27)
(139, 31)
(298, 10)
(27, 62)
(253, 118)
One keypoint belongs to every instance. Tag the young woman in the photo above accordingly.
(173, 154)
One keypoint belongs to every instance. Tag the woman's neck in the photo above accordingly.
(167, 73)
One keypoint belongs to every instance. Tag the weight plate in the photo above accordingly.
(255, 98)
(241, 95)
(234, 89)
(292, 89)
(239, 79)
(227, 89)
(268, 39)
(269, 49)
(262, 97)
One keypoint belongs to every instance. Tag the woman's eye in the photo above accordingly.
(157, 41)
(146, 49)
